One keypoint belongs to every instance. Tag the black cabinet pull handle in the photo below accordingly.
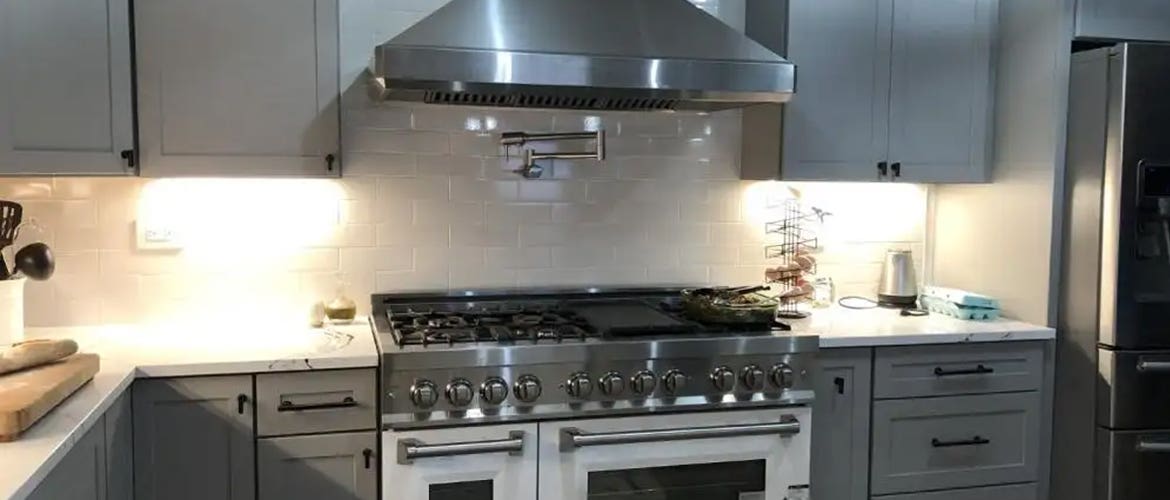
(329, 159)
(367, 454)
(128, 155)
(978, 370)
(896, 168)
(241, 400)
(840, 383)
(975, 441)
(286, 405)
(883, 169)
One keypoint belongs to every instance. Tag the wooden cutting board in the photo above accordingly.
(27, 395)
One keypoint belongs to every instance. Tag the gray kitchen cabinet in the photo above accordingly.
(119, 429)
(238, 87)
(941, 89)
(335, 466)
(840, 457)
(81, 475)
(66, 92)
(955, 442)
(836, 127)
(193, 438)
(890, 90)
(1147, 20)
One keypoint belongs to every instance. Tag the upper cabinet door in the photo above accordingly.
(1124, 20)
(835, 128)
(65, 90)
(941, 92)
(238, 87)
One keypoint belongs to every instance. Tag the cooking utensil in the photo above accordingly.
(898, 286)
(11, 214)
(36, 261)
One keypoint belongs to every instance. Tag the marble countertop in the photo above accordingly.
(840, 327)
(129, 352)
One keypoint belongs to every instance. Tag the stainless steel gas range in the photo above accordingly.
(588, 394)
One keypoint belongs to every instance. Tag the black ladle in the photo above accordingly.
(36, 261)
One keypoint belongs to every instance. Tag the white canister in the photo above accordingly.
(11, 311)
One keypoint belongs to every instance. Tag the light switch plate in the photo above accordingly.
(157, 237)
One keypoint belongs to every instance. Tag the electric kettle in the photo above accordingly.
(898, 287)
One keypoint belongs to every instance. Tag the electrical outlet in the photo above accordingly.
(157, 237)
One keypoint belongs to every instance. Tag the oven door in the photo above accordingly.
(740, 455)
(470, 463)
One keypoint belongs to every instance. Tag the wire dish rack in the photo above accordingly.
(789, 255)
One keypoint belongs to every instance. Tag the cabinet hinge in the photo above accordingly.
(129, 157)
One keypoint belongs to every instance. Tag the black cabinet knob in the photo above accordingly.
(241, 400)
(896, 168)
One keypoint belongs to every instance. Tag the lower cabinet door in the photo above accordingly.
(955, 442)
(81, 475)
(471, 463)
(742, 455)
(194, 439)
(333, 466)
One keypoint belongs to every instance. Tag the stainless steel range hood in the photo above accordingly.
(579, 54)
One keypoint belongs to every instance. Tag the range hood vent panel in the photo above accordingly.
(579, 54)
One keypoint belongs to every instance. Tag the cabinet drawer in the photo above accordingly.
(1012, 492)
(955, 442)
(911, 372)
(320, 401)
(1134, 465)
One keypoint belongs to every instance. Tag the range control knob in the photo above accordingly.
(783, 376)
(643, 382)
(527, 388)
(753, 378)
(579, 385)
(612, 384)
(494, 390)
(460, 392)
(424, 394)
(674, 381)
(723, 379)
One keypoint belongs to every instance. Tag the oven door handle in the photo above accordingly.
(411, 449)
(573, 438)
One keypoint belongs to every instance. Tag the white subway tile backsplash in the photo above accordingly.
(587, 255)
(428, 202)
(518, 258)
(398, 141)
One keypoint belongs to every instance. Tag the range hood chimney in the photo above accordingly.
(620, 55)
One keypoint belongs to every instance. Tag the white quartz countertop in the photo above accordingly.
(841, 327)
(129, 352)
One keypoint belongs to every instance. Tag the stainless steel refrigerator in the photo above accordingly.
(1112, 419)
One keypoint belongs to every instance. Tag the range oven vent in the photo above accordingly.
(550, 101)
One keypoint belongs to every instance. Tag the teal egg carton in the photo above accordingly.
(946, 308)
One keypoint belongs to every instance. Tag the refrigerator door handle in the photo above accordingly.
(1153, 366)
(1153, 447)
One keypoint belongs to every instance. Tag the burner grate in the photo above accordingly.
(497, 324)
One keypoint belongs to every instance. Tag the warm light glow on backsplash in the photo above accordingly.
(236, 222)
(861, 212)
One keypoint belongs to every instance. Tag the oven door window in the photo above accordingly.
(719, 481)
(492, 462)
(732, 455)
